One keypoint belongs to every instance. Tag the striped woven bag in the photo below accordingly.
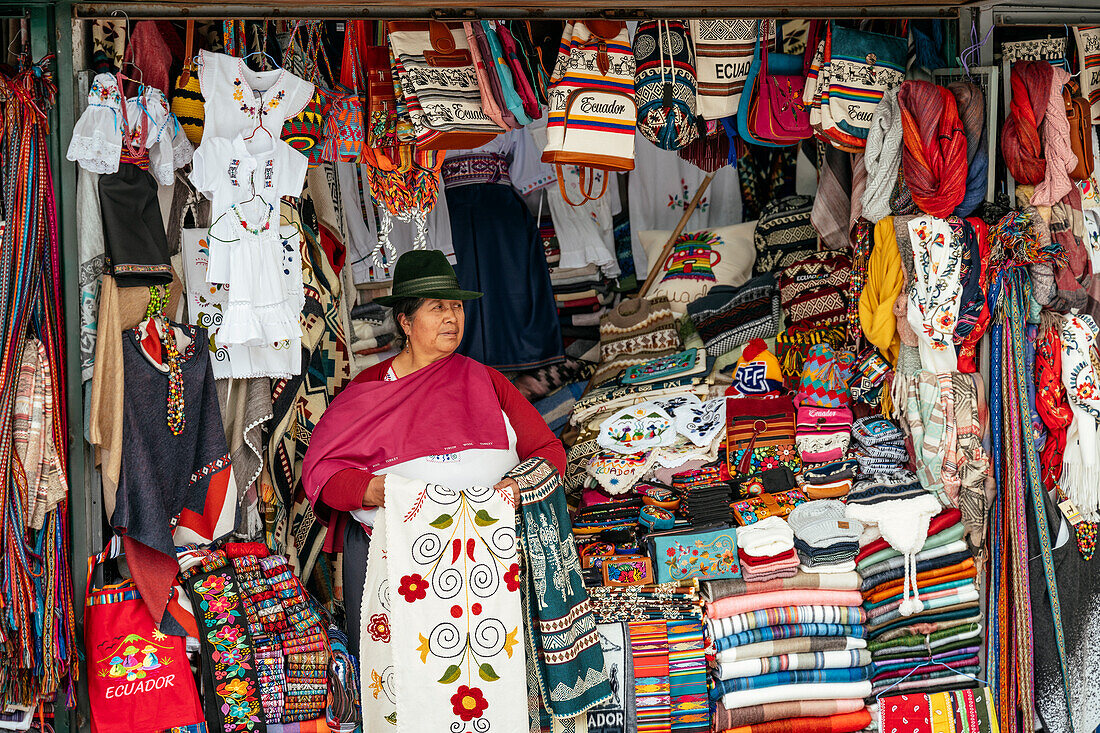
(664, 84)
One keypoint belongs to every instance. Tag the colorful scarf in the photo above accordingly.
(1050, 401)
(1060, 160)
(1020, 141)
(558, 611)
(934, 159)
(885, 279)
(971, 104)
(1081, 463)
(936, 292)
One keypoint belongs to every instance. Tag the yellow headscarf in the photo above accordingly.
(885, 279)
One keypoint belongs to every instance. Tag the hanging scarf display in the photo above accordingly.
(934, 157)
(970, 101)
(558, 611)
(1081, 379)
(936, 291)
(1020, 142)
(1057, 151)
(37, 651)
(882, 158)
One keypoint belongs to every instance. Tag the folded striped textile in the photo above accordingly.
(951, 657)
(870, 581)
(951, 534)
(943, 590)
(749, 576)
(957, 598)
(839, 568)
(840, 723)
(945, 519)
(969, 615)
(714, 590)
(929, 677)
(794, 677)
(782, 693)
(720, 627)
(962, 571)
(931, 591)
(918, 642)
(793, 645)
(784, 662)
(898, 561)
(734, 605)
(726, 719)
(771, 633)
(951, 614)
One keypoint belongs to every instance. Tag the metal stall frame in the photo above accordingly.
(51, 30)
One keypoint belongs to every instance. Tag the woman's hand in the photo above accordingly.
(509, 484)
(375, 495)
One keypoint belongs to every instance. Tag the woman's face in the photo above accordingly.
(436, 327)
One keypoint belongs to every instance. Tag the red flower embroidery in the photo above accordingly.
(511, 578)
(468, 703)
(413, 587)
(379, 628)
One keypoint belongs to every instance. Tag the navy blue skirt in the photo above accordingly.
(514, 325)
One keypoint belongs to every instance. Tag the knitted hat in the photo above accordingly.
(823, 523)
(874, 430)
(766, 538)
(904, 524)
(880, 487)
(757, 370)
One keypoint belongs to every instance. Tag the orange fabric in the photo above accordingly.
(959, 571)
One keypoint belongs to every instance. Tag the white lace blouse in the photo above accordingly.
(104, 130)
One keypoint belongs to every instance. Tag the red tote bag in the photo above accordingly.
(139, 680)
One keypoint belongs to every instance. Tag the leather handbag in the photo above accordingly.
(1079, 113)
(381, 114)
(760, 434)
(705, 553)
(776, 111)
(440, 85)
(592, 114)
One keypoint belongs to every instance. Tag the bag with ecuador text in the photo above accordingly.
(593, 115)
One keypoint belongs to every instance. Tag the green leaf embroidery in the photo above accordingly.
(450, 675)
(483, 518)
(487, 672)
(442, 521)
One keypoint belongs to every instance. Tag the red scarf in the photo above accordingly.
(934, 157)
(446, 407)
(1051, 404)
(1020, 142)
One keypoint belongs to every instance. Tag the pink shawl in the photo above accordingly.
(735, 605)
(446, 407)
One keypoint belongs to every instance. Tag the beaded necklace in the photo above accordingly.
(255, 231)
(177, 421)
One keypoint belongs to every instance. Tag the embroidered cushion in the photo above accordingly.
(699, 261)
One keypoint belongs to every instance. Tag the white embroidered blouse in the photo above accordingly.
(105, 129)
(238, 100)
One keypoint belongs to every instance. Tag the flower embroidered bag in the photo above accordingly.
(592, 113)
(776, 113)
(822, 433)
(760, 434)
(694, 553)
(138, 678)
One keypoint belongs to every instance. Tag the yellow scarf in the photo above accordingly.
(885, 279)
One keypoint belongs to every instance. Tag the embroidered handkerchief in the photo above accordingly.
(637, 428)
(701, 423)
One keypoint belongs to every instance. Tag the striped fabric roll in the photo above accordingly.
(720, 627)
(687, 664)
(812, 660)
(787, 631)
(649, 646)
(799, 677)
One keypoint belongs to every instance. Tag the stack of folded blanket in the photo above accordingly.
(825, 539)
(790, 653)
(766, 550)
(946, 626)
(372, 336)
(581, 295)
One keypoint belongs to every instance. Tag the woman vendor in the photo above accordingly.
(427, 414)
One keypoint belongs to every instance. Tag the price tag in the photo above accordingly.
(1071, 512)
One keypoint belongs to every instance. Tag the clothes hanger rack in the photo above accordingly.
(930, 662)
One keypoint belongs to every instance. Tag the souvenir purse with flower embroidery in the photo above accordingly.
(753, 509)
(699, 552)
(760, 435)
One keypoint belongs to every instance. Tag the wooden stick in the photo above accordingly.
(655, 267)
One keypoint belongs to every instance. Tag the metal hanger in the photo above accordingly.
(929, 663)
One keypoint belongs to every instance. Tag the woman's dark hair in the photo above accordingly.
(405, 307)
